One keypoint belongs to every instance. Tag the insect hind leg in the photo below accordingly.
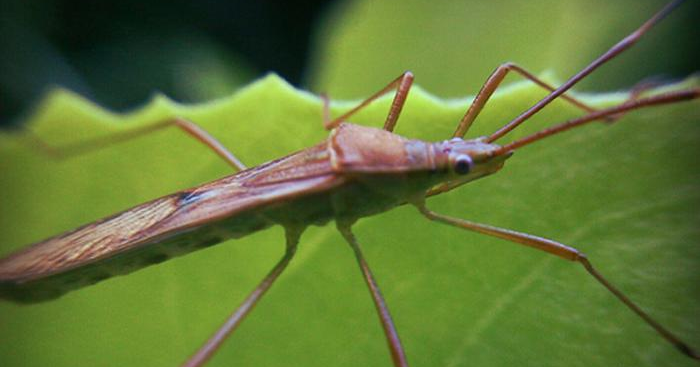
(87, 146)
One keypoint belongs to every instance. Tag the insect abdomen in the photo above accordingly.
(55, 285)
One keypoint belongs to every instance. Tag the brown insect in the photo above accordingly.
(356, 172)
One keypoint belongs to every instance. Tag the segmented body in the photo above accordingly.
(312, 186)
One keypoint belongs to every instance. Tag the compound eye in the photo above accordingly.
(463, 164)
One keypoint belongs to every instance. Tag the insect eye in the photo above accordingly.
(463, 164)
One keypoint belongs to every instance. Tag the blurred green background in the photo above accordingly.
(119, 53)
(625, 194)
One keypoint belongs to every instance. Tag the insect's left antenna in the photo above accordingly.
(618, 48)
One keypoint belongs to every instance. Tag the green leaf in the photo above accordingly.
(452, 46)
(626, 194)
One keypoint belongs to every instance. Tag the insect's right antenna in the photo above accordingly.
(618, 48)
(657, 100)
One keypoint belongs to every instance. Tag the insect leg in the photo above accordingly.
(402, 84)
(87, 146)
(209, 348)
(615, 50)
(492, 83)
(565, 252)
(392, 336)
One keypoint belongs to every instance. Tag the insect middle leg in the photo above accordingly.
(398, 355)
(402, 84)
(209, 348)
(565, 252)
(187, 126)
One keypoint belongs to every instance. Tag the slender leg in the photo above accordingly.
(188, 127)
(392, 336)
(565, 252)
(618, 48)
(402, 84)
(209, 348)
(492, 83)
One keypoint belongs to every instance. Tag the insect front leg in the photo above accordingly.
(398, 355)
(402, 84)
(210, 347)
(565, 252)
(189, 127)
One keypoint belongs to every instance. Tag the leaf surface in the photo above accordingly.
(626, 194)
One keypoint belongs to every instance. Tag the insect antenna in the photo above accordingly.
(656, 100)
(611, 53)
